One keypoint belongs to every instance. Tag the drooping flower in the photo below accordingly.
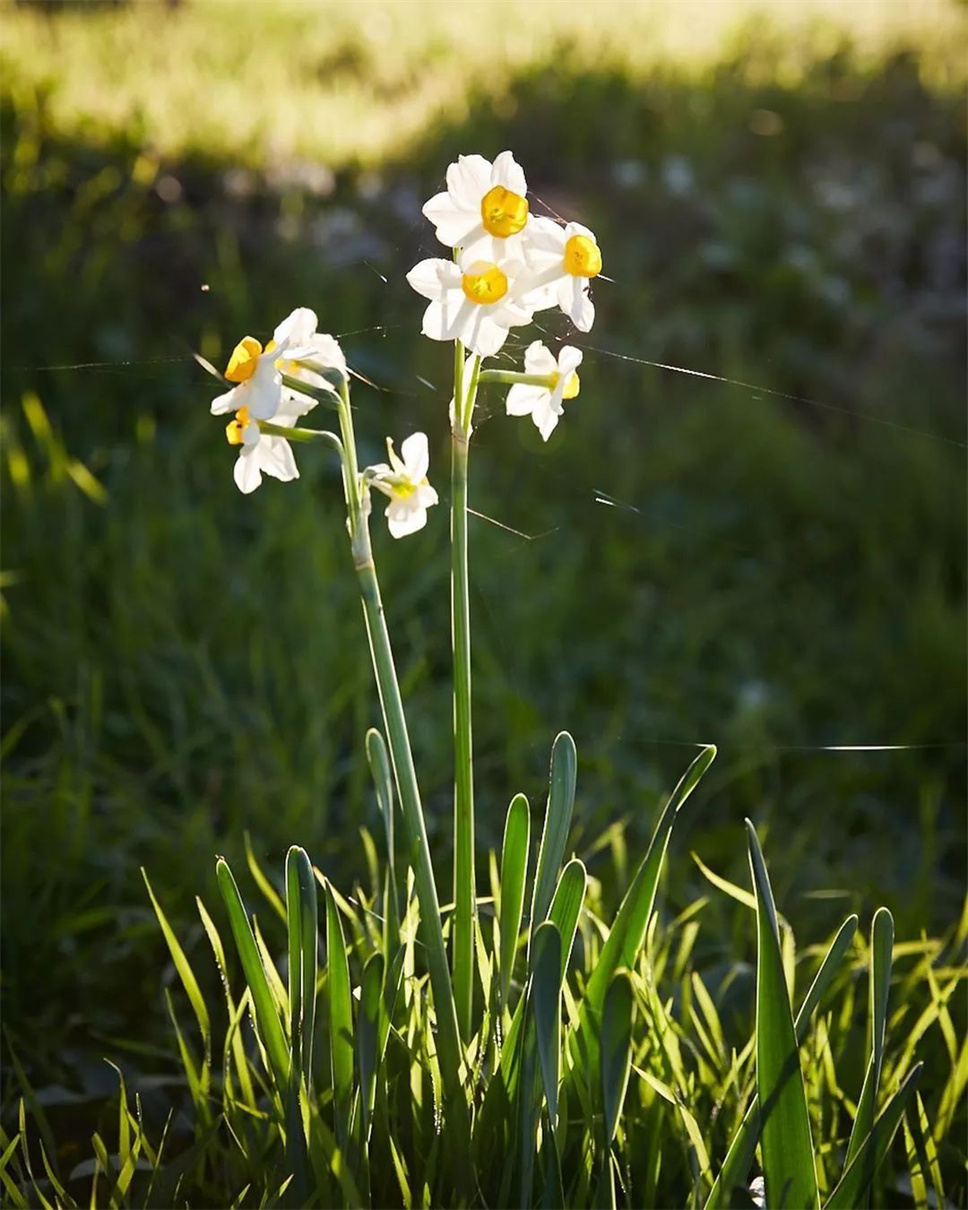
(484, 208)
(545, 404)
(562, 261)
(404, 480)
(475, 301)
(265, 453)
(256, 372)
(318, 347)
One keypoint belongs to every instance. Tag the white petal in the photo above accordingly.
(508, 173)
(426, 496)
(574, 301)
(416, 456)
(251, 435)
(433, 276)
(297, 328)
(468, 180)
(447, 318)
(403, 520)
(577, 229)
(569, 359)
(539, 360)
(276, 458)
(540, 296)
(325, 350)
(248, 473)
(545, 235)
(523, 399)
(225, 403)
(454, 224)
(546, 419)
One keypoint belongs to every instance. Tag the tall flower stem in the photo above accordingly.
(401, 758)
(465, 882)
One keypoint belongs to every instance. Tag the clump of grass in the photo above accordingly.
(605, 1067)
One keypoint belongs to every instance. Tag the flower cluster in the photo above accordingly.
(259, 395)
(508, 263)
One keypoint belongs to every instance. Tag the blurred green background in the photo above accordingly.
(779, 191)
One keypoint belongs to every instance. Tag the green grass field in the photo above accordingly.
(774, 564)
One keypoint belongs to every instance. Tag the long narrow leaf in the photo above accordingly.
(616, 1045)
(514, 869)
(303, 917)
(788, 1161)
(857, 1177)
(882, 943)
(557, 824)
(340, 1018)
(263, 1001)
(566, 906)
(739, 1157)
(546, 1005)
(629, 928)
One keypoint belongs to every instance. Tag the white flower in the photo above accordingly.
(318, 347)
(256, 371)
(264, 453)
(544, 404)
(484, 209)
(562, 261)
(404, 480)
(474, 301)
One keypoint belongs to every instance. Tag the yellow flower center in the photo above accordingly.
(572, 386)
(244, 359)
(583, 257)
(235, 429)
(503, 213)
(487, 287)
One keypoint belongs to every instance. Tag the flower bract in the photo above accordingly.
(404, 480)
(545, 404)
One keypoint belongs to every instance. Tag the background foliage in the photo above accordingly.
(781, 202)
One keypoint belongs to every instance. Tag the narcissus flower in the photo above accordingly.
(475, 301)
(257, 372)
(545, 404)
(264, 453)
(404, 480)
(484, 209)
(562, 261)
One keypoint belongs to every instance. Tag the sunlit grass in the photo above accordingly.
(349, 83)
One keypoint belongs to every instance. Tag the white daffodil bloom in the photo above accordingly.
(475, 301)
(562, 261)
(404, 480)
(265, 453)
(257, 372)
(545, 404)
(484, 209)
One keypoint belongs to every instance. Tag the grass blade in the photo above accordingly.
(514, 869)
(368, 1030)
(546, 1006)
(739, 1157)
(616, 1044)
(882, 944)
(557, 824)
(263, 1001)
(853, 1185)
(566, 907)
(788, 1161)
(302, 910)
(340, 1019)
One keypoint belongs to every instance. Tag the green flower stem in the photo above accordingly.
(465, 882)
(401, 758)
(301, 435)
(510, 377)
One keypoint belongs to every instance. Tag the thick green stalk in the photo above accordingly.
(465, 882)
(401, 758)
